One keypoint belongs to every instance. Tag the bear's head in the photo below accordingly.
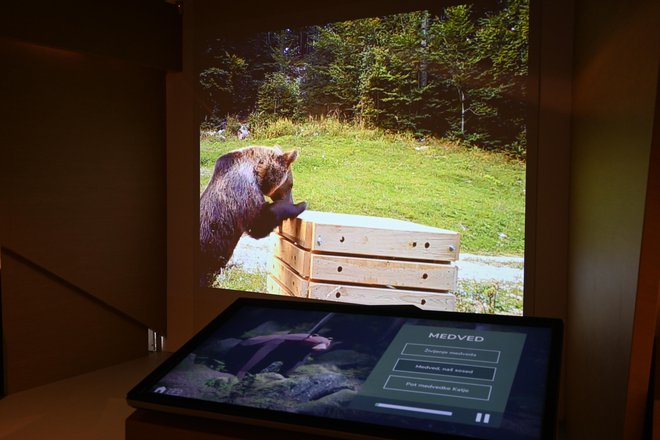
(274, 172)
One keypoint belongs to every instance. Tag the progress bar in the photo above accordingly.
(414, 409)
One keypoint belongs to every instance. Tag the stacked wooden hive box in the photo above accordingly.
(366, 260)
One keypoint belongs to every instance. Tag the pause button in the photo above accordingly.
(482, 418)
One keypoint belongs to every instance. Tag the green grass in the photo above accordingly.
(237, 278)
(351, 169)
(493, 297)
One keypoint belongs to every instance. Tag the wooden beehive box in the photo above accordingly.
(363, 259)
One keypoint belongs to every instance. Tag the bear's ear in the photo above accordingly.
(261, 170)
(290, 156)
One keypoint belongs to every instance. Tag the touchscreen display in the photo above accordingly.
(430, 372)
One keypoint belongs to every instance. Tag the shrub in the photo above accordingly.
(279, 96)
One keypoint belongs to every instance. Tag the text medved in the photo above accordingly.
(452, 336)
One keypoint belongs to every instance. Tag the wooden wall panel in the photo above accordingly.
(615, 78)
(646, 330)
(53, 330)
(82, 183)
(82, 173)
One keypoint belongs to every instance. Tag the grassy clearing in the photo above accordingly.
(352, 169)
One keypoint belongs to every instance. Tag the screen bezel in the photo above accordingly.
(141, 396)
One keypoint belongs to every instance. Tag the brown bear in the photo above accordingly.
(234, 202)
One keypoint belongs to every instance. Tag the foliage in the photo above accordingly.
(492, 297)
(503, 36)
(458, 74)
(242, 387)
(483, 60)
(279, 96)
(221, 385)
(455, 62)
(224, 80)
(368, 70)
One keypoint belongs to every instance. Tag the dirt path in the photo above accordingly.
(253, 255)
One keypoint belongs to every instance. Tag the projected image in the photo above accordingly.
(378, 160)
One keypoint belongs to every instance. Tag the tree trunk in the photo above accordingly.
(463, 110)
(423, 62)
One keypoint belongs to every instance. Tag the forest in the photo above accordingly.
(457, 74)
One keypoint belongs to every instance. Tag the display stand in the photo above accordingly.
(144, 424)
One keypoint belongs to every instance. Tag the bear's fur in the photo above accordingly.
(233, 202)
